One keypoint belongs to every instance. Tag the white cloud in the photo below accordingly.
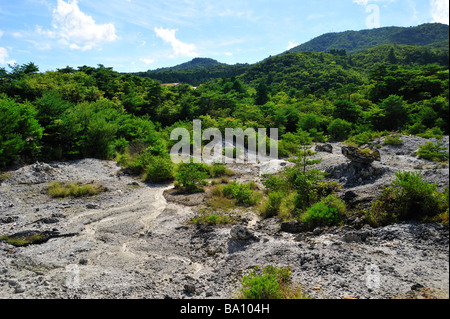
(361, 2)
(366, 2)
(291, 45)
(147, 61)
(78, 29)
(179, 48)
(4, 56)
(439, 11)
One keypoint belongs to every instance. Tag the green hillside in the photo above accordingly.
(350, 51)
(357, 41)
(306, 71)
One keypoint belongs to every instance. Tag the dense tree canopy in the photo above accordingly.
(97, 112)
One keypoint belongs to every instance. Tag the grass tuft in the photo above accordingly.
(63, 190)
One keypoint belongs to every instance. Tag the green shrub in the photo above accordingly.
(192, 175)
(120, 145)
(288, 145)
(434, 132)
(328, 212)
(363, 138)
(416, 128)
(339, 129)
(287, 208)
(444, 216)
(408, 197)
(270, 283)
(275, 182)
(159, 170)
(220, 170)
(393, 141)
(325, 189)
(19, 130)
(242, 193)
(272, 206)
(310, 121)
(433, 152)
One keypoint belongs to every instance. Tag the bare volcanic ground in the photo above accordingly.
(131, 242)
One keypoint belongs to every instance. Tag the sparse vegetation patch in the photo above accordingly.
(62, 190)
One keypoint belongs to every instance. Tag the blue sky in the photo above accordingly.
(137, 35)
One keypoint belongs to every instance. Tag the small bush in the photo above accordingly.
(62, 190)
(270, 283)
(288, 206)
(152, 164)
(242, 193)
(217, 190)
(360, 139)
(328, 212)
(393, 141)
(275, 183)
(416, 129)
(220, 170)
(433, 152)
(192, 175)
(434, 132)
(271, 207)
(159, 170)
(408, 197)
(325, 189)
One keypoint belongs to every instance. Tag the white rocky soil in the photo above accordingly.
(130, 242)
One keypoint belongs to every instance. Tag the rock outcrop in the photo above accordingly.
(327, 148)
(362, 156)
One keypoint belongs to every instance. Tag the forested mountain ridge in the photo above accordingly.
(357, 41)
(195, 72)
(421, 45)
(393, 54)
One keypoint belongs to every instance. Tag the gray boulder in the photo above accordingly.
(327, 148)
(241, 233)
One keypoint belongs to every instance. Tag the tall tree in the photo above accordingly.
(262, 94)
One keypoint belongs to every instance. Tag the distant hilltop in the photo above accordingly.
(196, 63)
(434, 35)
